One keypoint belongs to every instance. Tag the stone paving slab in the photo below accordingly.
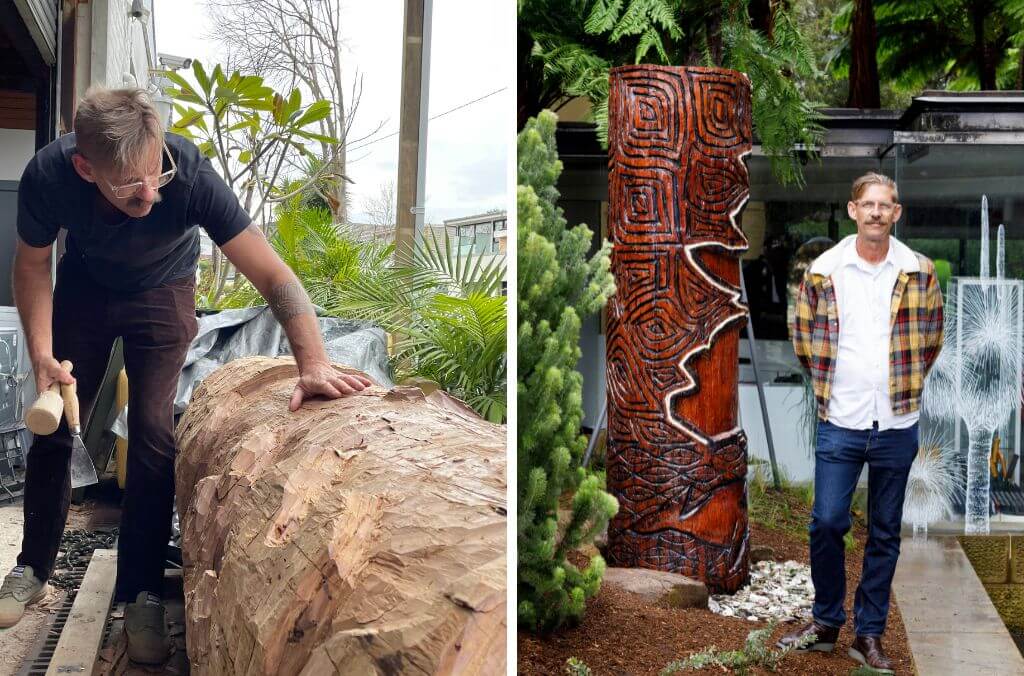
(952, 626)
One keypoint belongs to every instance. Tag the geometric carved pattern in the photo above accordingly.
(677, 460)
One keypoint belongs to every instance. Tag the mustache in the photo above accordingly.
(136, 202)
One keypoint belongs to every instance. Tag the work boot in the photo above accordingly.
(145, 626)
(868, 651)
(824, 641)
(20, 588)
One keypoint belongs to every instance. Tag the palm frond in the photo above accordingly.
(438, 262)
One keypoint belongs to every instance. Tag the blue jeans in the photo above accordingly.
(839, 457)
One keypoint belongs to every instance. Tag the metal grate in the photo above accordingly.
(1009, 500)
(38, 659)
(12, 461)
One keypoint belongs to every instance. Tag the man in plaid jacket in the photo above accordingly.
(868, 326)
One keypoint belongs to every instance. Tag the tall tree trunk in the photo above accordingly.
(983, 57)
(339, 187)
(1020, 70)
(761, 16)
(713, 26)
(864, 89)
(340, 190)
(712, 46)
(528, 102)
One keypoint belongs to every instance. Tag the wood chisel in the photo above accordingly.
(43, 418)
(83, 472)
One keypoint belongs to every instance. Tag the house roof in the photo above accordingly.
(476, 218)
(964, 115)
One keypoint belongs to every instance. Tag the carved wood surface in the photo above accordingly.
(677, 459)
(363, 535)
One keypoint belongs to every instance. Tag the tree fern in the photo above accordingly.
(603, 16)
(931, 43)
(578, 43)
(782, 116)
(641, 16)
(650, 38)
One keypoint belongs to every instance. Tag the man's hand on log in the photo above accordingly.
(321, 379)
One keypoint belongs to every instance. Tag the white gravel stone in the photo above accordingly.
(777, 591)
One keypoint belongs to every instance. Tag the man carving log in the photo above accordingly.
(364, 535)
(131, 197)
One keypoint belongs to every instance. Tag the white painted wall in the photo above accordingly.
(83, 48)
(785, 405)
(789, 433)
(120, 45)
(140, 34)
(18, 148)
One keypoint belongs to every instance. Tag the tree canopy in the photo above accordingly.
(567, 48)
(801, 55)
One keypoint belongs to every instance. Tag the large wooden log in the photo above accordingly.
(676, 455)
(364, 535)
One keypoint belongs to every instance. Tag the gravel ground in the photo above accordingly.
(16, 641)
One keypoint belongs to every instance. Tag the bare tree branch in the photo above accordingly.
(381, 210)
(296, 41)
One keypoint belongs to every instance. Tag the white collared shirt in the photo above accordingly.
(860, 385)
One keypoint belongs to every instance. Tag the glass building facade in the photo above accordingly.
(945, 151)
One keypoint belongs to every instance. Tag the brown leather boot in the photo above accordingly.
(868, 651)
(825, 637)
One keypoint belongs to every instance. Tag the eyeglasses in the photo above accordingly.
(129, 189)
(884, 207)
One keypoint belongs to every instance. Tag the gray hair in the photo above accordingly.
(873, 178)
(116, 128)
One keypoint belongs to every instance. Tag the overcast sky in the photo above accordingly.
(471, 56)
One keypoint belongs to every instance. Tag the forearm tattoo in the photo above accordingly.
(289, 300)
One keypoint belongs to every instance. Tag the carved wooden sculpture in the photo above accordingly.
(364, 535)
(676, 456)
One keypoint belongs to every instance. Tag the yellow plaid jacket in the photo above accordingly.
(915, 323)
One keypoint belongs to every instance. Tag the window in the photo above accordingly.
(466, 239)
(780, 220)
(483, 238)
(941, 187)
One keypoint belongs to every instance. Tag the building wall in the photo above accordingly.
(586, 206)
(496, 245)
(18, 148)
(8, 207)
(17, 132)
(118, 53)
(83, 48)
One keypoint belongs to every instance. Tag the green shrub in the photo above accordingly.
(557, 285)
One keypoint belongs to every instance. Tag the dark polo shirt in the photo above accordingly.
(136, 253)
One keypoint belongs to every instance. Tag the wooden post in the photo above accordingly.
(412, 131)
(677, 458)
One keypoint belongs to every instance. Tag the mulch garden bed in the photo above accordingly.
(621, 634)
